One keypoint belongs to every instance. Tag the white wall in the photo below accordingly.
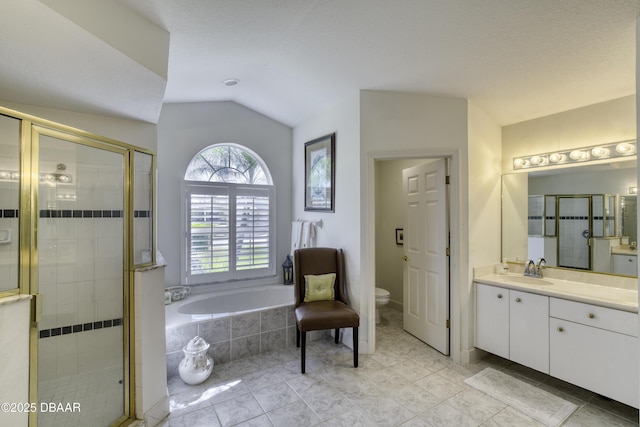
(340, 229)
(184, 130)
(485, 156)
(389, 216)
(401, 125)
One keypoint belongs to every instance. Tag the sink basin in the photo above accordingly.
(528, 280)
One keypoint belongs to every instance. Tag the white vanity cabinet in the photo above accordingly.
(624, 264)
(595, 348)
(514, 325)
(492, 319)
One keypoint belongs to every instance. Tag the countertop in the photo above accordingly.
(605, 296)
(624, 252)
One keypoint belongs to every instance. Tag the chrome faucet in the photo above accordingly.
(530, 268)
(541, 263)
(534, 269)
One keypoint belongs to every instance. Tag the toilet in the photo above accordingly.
(382, 298)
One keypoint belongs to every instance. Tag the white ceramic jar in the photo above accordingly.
(196, 366)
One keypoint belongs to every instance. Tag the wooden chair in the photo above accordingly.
(328, 312)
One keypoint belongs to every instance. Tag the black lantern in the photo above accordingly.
(287, 271)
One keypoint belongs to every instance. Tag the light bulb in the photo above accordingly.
(578, 155)
(600, 151)
(625, 148)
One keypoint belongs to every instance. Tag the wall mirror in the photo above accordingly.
(581, 217)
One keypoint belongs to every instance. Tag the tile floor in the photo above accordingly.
(405, 383)
(99, 395)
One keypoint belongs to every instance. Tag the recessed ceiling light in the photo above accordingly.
(230, 82)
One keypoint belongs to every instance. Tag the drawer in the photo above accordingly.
(609, 319)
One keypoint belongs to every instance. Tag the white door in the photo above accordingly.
(426, 266)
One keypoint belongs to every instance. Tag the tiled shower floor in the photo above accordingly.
(98, 393)
(405, 383)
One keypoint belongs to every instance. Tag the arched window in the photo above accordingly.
(230, 215)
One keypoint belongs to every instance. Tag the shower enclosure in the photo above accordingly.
(76, 220)
(574, 223)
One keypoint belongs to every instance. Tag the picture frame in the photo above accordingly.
(399, 236)
(319, 174)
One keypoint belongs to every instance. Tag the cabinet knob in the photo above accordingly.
(405, 258)
(591, 315)
(499, 295)
(560, 329)
(518, 300)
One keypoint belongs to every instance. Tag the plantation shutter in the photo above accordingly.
(252, 228)
(230, 232)
(208, 242)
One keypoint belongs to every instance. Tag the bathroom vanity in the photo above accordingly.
(582, 333)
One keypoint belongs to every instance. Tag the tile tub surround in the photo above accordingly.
(231, 336)
(405, 383)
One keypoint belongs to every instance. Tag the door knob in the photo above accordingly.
(405, 258)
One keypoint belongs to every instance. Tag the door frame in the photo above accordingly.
(459, 321)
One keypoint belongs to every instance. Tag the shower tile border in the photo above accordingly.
(78, 213)
(79, 327)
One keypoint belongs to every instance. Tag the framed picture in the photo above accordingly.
(399, 236)
(319, 174)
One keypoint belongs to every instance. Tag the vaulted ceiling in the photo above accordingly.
(516, 59)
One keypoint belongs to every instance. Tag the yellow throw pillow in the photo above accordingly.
(320, 287)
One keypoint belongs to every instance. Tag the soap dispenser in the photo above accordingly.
(504, 268)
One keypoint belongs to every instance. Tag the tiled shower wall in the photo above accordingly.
(236, 337)
(80, 246)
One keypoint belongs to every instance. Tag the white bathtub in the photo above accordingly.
(218, 304)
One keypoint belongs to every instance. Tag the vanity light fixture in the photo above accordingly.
(585, 154)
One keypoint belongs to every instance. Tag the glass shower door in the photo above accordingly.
(574, 232)
(82, 281)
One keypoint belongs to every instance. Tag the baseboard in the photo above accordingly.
(471, 355)
(395, 305)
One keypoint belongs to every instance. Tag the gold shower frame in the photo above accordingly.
(31, 127)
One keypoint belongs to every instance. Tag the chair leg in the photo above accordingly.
(355, 347)
(297, 336)
(337, 335)
(303, 350)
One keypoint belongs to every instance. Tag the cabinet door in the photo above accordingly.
(492, 319)
(529, 330)
(601, 361)
(625, 264)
